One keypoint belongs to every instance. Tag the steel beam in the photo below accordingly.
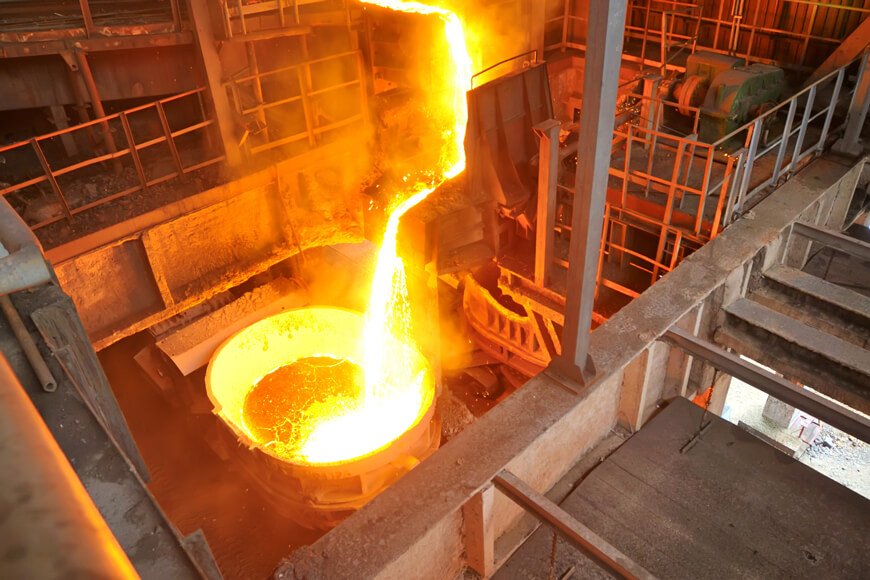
(22, 265)
(600, 83)
(95, 44)
(836, 415)
(96, 102)
(594, 546)
(836, 240)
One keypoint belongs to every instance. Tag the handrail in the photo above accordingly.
(101, 120)
(779, 106)
(533, 52)
(244, 79)
(167, 135)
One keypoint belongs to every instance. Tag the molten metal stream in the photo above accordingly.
(395, 387)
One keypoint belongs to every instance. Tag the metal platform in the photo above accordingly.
(729, 507)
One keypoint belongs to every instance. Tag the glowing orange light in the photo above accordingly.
(394, 387)
(398, 388)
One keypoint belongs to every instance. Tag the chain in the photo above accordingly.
(552, 573)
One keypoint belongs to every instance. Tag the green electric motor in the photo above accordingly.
(728, 93)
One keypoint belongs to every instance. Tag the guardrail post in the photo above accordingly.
(783, 144)
(832, 107)
(649, 109)
(733, 188)
(52, 180)
(170, 141)
(134, 153)
(850, 144)
(753, 141)
(805, 120)
(479, 531)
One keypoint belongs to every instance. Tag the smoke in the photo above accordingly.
(340, 275)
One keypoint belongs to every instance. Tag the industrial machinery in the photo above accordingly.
(295, 440)
(728, 92)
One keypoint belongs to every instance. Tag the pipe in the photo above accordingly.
(50, 525)
(22, 264)
(46, 379)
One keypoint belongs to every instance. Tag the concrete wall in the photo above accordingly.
(415, 529)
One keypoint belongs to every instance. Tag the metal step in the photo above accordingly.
(817, 303)
(800, 352)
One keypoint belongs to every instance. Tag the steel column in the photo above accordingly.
(223, 112)
(836, 415)
(548, 173)
(96, 102)
(601, 77)
(85, 8)
(254, 67)
(850, 144)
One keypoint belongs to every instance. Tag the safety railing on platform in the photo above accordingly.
(240, 18)
(748, 29)
(686, 171)
(765, 159)
(621, 225)
(701, 188)
(76, 192)
(313, 104)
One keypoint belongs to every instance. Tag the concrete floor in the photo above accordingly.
(832, 453)
(730, 507)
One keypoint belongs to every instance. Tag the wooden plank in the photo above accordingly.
(63, 333)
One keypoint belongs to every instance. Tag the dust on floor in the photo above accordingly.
(833, 453)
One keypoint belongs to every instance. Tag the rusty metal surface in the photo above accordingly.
(500, 142)
(121, 69)
(138, 273)
(513, 338)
